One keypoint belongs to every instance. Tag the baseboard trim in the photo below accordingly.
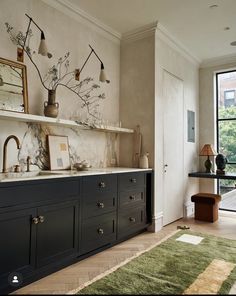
(188, 209)
(157, 223)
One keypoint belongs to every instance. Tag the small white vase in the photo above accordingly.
(143, 161)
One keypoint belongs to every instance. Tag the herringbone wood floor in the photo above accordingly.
(67, 280)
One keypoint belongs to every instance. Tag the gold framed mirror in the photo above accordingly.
(13, 86)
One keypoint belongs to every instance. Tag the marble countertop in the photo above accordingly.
(40, 175)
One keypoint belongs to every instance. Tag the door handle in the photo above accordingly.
(35, 220)
(100, 231)
(41, 219)
(102, 184)
(165, 166)
(100, 205)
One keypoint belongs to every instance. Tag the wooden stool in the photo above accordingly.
(206, 206)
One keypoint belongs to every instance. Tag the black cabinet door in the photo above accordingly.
(131, 220)
(98, 232)
(98, 185)
(93, 205)
(17, 246)
(57, 232)
(130, 181)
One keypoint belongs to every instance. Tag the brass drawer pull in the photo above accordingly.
(35, 220)
(100, 205)
(133, 180)
(100, 231)
(102, 184)
(41, 219)
(132, 197)
(131, 219)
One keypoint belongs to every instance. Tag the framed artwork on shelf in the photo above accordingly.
(59, 157)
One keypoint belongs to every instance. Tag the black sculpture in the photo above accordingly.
(221, 161)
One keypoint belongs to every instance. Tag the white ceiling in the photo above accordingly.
(199, 28)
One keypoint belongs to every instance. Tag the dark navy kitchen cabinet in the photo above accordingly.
(47, 224)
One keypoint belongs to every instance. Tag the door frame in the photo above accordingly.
(163, 135)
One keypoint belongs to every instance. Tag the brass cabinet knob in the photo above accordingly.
(100, 231)
(131, 219)
(102, 184)
(41, 219)
(100, 205)
(133, 180)
(132, 197)
(35, 220)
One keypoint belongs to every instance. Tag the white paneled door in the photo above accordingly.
(173, 133)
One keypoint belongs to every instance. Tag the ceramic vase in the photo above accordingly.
(51, 107)
(143, 161)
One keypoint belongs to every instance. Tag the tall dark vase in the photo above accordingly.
(51, 107)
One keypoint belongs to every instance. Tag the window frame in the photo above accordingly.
(217, 111)
(218, 120)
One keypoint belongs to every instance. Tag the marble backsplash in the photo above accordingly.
(99, 149)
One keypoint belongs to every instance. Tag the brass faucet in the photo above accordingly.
(4, 167)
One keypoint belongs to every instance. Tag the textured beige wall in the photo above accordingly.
(172, 61)
(207, 115)
(137, 96)
(142, 65)
(63, 34)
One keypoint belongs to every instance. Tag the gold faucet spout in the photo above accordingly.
(4, 168)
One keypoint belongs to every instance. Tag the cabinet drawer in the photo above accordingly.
(99, 184)
(131, 198)
(31, 192)
(131, 221)
(131, 180)
(98, 232)
(93, 206)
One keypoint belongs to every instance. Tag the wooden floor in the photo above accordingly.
(68, 280)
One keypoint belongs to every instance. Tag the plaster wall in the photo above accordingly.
(137, 95)
(169, 59)
(141, 102)
(207, 115)
(64, 34)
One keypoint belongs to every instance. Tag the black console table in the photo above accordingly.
(229, 176)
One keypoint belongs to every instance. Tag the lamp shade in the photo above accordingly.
(42, 46)
(102, 76)
(207, 150)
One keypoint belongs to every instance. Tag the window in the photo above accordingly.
(226, 124)
(229, 98)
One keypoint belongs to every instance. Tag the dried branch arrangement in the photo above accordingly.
(59, 75)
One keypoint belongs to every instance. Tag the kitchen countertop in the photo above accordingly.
(68, 173)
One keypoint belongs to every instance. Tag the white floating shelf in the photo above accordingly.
(23, 117)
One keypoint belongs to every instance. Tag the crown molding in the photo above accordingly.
(83, 17)
(163, 34)
(167, 37)
(140, 33)
(218, 61)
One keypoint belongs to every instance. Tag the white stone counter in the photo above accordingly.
(40, 175)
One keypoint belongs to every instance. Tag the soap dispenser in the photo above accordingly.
(143, 161)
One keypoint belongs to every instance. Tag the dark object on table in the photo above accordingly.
(206, 206)
(221, 161)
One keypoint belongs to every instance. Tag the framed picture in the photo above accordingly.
(58, 152)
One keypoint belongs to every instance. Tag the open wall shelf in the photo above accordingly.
(30, 118)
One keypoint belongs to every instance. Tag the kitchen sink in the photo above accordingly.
(14, 175)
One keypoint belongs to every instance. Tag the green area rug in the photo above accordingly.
(169, 268)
